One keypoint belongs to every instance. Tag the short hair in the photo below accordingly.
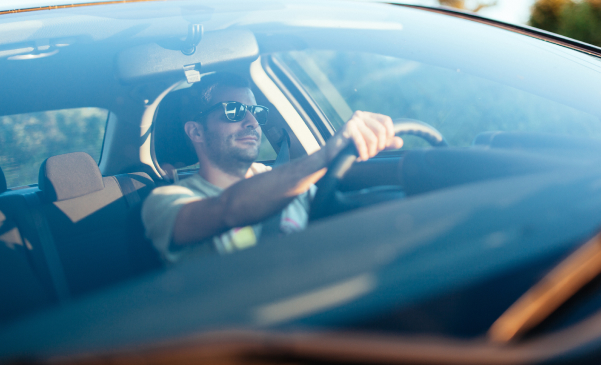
(198, 98)
(171, 143)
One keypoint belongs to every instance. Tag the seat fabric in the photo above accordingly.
(92, 228)
(95, 229)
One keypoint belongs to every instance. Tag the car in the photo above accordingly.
(477, 242)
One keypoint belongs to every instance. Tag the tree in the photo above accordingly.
(27, 139)
(545, 14)
(580, 20)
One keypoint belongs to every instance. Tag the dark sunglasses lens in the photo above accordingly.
(260, 114)
(235, 111)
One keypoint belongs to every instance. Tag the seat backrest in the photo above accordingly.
(169, 130)
(22, 287)
(92, 221)
(77, 232)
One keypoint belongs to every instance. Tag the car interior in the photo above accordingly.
(78, 229)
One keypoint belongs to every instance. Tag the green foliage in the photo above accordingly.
(26, 140)
(546, 13)
(580, 20)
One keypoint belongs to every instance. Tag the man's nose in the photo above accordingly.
(250, 121)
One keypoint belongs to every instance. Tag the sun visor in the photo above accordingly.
(215, 50)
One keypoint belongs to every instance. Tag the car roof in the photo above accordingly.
(29, 5)
(32, 4)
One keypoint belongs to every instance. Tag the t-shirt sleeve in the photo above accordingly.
(296, 215)
(159, 212)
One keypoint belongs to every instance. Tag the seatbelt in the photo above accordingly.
(271, 226)
(128, 189)
(52, 259)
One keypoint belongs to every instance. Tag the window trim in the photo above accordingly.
(307, 108)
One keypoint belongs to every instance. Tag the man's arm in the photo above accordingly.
(250, 201)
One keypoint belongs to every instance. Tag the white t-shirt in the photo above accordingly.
(161, 207)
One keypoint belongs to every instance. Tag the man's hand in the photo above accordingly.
(371, 133)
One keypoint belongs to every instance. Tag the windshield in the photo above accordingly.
(458, 104)
(497, 180)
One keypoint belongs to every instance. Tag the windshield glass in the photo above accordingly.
(428, 239)
(458, 104)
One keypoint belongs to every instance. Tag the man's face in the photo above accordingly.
(230, 144)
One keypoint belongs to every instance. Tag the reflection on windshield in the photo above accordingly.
(458, 104)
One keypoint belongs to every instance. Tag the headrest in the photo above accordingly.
(69, 176)
(171, 145)
(3, 186)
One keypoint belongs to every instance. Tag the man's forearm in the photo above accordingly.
(252, 200)
(249, 201)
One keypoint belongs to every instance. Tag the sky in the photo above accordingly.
(511, 11)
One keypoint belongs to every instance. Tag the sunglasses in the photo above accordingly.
(236, 111)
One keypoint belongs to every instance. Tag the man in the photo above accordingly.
(221, 208)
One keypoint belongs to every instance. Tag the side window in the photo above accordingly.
(266, 151)
(458, 104)
(26, 140)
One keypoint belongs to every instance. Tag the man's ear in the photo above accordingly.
(195, 132)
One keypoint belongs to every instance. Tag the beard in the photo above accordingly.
(229, 157)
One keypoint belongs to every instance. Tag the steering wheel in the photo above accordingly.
(325, 202)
